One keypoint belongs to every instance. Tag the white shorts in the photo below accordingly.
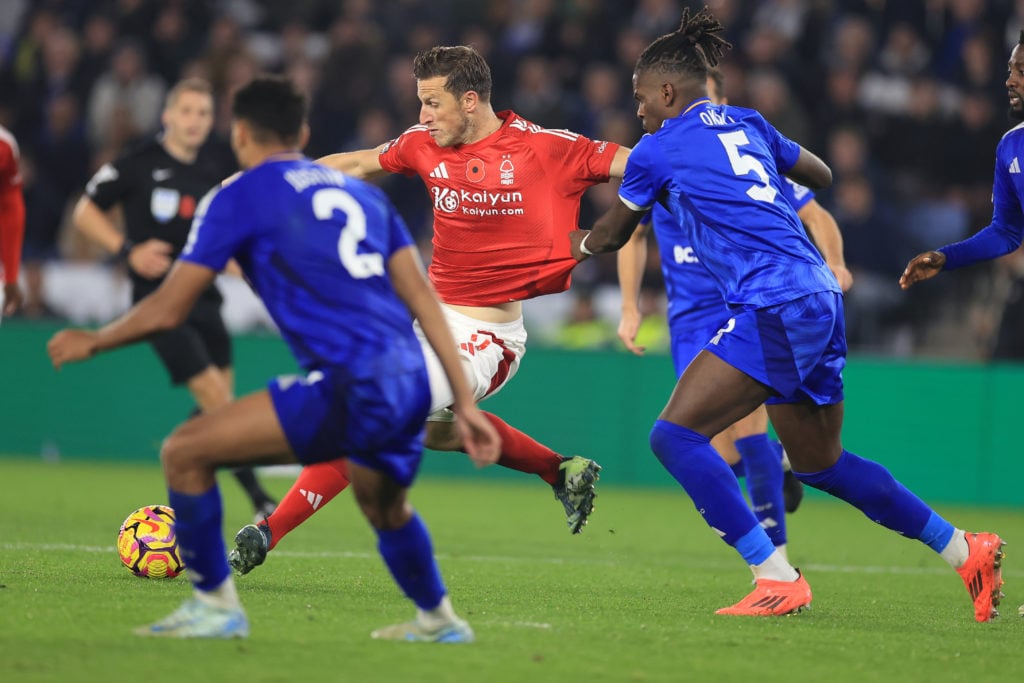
(490, 352)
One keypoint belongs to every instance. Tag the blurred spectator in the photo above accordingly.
(902, 99)
(127, 99)
(537, 95)
(584, 328)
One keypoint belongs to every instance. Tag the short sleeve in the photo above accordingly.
(216, 231)
(796, 194)
(585, 161)
(109, 185)
(396, 156)
(640, 186)
(785, 151)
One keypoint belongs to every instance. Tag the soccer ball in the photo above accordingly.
(147, 544)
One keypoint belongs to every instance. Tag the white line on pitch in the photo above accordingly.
(361, 555)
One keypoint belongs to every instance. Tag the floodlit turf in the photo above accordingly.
(631, 599)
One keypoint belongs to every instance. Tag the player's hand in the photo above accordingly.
(70, 346)
(843, 275)
(575, 238)
(232, 268)
(12, 298)
(922, 267)
(629, 325)
(151, 259)
(479, 438)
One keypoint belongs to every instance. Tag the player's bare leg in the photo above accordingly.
(245, 431)
(213, 388)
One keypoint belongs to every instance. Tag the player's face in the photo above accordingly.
(1015, 83)
(187, 122)
(651, 108)
(442, 113)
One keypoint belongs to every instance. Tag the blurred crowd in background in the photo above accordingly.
(905, 99)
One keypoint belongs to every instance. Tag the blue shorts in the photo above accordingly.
(797, 348)
(691, 332)
(375, 421)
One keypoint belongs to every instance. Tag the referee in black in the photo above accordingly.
(157, 186)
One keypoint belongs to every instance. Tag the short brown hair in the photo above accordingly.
(465, 68)
(192, 84)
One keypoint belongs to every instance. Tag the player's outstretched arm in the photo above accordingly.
(479, 437)
(164, 309)
(824, 231)
(811, 171)
(364, 163)
(922, 267)
(631, 261)
(610, 232)
(618, 168)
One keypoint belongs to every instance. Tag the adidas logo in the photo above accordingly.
(441, 171)
(314, 498)
(1014, 166)
(770, 602)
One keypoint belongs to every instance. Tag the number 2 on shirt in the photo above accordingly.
(359, 266)
(742, 164)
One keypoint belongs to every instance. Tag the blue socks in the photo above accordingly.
(197, 525)
(764, 483)
(690, 459)
(409, 555)
(870, 488)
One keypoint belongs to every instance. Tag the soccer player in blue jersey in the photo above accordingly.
(696, 310)
(1006, 231)
(784, 343)
(340, 275)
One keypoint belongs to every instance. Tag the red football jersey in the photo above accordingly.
(12, 208)
(503, 206)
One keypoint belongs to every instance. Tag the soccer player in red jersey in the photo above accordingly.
(506, 194)
(12, 220)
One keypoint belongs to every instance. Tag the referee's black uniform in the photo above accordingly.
(158, 196)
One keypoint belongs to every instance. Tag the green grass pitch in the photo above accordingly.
(631, 599)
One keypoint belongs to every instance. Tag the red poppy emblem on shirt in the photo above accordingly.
(475, 170)
(187, 207)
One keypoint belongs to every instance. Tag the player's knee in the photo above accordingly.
(178, 449)
(442, 436)
(385, 517)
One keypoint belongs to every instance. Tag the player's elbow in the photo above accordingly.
(81, 213)
(824, 178)
(168, 319)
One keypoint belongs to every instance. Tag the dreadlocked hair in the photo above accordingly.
(692, 48)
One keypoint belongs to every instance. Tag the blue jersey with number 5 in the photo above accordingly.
(721, 166)
(315, 245)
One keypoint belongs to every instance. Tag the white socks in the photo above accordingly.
(224, 596)
(956, 550)
(439, 616)
(775, 568)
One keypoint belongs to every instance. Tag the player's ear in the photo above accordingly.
(303, 136)
(668, 92)
(470, 99)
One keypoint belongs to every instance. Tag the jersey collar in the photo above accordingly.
(694, 104)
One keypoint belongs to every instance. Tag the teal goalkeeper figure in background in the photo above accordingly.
(785, 342)
(341, 277)
(1006, 231)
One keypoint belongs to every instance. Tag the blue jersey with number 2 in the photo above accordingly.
(314, 244)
